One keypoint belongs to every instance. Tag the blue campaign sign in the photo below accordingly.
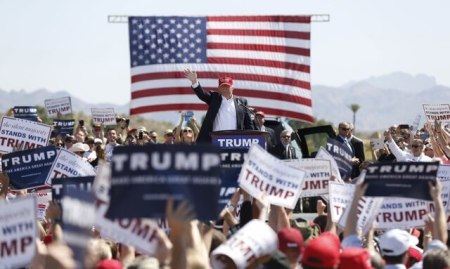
(143, 178)
(342, 155)
(78, 218)
(238, 141)
(76, 183)
(401, 179)
(63, 127)
(228, 186)
(26, 112)
(29, 168)
(232, 157)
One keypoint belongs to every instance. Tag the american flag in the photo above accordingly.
(268, 58)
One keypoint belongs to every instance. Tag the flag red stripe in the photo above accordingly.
(236, 76)
(286, 113)
(167, 107)
(254, 32)
(259, 47)
(238, 92)
(303, 19)
(257, 62)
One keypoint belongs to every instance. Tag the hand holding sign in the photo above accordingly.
(4, 182)
(53, 211)
(435, 190)
(179, 217)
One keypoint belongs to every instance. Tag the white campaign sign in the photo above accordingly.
(42, 200)
(415, 125)
(401, 213)
(18, 232)
(68, 164)
(61, 105)
(103, 116)
(261, 172)
(23, 134)
(444, 175)
(368, 208)
(318, 173)
(340, 195)
(439, 112)
(323, 154)
(404, 213)
(140, 233)
(252, 241)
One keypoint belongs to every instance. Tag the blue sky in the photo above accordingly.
(69, 45)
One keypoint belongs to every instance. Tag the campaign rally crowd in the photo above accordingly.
(353, 221)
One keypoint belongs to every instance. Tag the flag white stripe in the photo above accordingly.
(260, 40)
(238, 84)
(242, 25)
(261, 55)
(223, 68)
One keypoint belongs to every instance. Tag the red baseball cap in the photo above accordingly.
(260, 113)
(322, 251)
(290, 238)
(352, 258)
(414, 256)
(225, 81)
(109, 264)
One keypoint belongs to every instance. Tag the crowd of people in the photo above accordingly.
(317, 244)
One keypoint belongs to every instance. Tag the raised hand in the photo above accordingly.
(191, 75)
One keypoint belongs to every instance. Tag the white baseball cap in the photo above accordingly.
(79, 147)
(395, 242)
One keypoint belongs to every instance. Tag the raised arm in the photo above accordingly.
(399, 154)
(4, 181)
(205, 96)
(440, 219)
(352, 220)
(178, 131)
(194, 126)
(441, 136)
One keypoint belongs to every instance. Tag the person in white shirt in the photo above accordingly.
(225, 111)
(416, 154)
(112, 143)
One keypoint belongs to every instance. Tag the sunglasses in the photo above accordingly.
(187, 131)
(345, 129)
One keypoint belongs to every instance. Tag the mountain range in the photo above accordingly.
(394, 98)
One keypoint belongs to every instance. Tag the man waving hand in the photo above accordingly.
(225, 111)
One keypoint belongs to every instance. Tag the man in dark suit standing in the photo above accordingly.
(358, 147)
(284, 150)
(344, 136)
(225, 111)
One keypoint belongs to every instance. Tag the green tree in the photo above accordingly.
(354, 108)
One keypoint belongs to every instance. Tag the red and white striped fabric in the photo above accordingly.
(268, 58)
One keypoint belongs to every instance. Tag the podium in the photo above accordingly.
(243, 139)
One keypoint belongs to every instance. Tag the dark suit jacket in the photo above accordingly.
(271, 141)
(358, 150)
(279, 151)
(214, 100)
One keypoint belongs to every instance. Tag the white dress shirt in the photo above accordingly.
(226, 116)
(403, 156)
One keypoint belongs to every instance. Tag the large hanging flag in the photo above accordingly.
(267, 56)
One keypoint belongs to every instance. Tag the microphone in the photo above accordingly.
(251, 110)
